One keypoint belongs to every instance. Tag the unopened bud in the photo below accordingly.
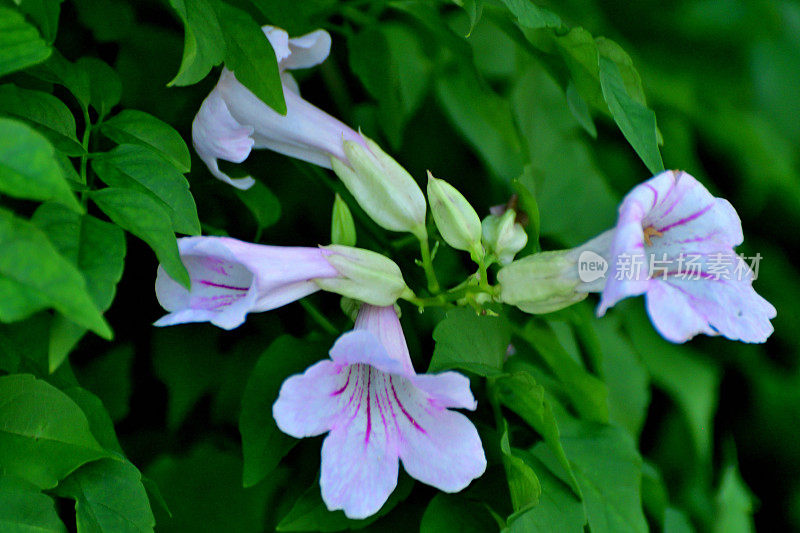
(363, 275)
(454, 216)
(541, 283)
(383, 188)
(343, 229)
(503, 236)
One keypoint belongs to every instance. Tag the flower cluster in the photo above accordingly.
(375, 409)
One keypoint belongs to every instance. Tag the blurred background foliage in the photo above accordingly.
(494, 100)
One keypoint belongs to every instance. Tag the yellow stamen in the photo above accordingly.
(650, 231)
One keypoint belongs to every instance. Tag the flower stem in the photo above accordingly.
(318, 317)
(427, 264)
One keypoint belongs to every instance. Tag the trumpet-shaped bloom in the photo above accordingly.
(377, 410)
(232, 120)
(674, 243)
(231, 278)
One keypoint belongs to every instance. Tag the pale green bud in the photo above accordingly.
(363, 275)
(383, 188)
(454, 216)
(541, 283)
(503, 236)
(343, 229)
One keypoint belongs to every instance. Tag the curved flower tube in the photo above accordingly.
(674, 243)
(231, 278)
(377, 410)
(232, 120)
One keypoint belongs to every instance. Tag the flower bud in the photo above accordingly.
(383, 188)
(343, 229)
(456, 219)
(541, 283)
(503, 236)
(364, 275)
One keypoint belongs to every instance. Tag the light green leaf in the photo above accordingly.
(203, 44)
(20, 44)
(522, 481)
(470, 342)
(105, 88)
(45, 112)
(44, 435)
(637, 122)
(28, 167)
(143, 216)
(137, 127)
(734, 504)
(109, 497)
(343, 228)
(249, 55)
(23, 509)
(263, 444)
(262, 203)
(135, 167)
(531, 16)
(34, 275)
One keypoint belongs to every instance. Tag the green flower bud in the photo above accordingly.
(383, 188)
(343, 229)
(363, 275)
(503, 236)
(541, 283)
(454, 216)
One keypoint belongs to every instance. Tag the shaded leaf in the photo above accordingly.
(20, 44)
(470, 342)
(137, 127)
(24, 509)
(203, 44)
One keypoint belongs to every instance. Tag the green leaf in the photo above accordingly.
(558, 509)
(44, 435)
(33, 275)
(588, 394)
(45, 14)
(609, 472)
(451, 512)
(137, 127)
(204, 491)
(309, 512)
(529, 15)
(262, 203)
(637, 122)
(263, 444)
(45, 112)
(734, 504)
(135, 167)
(108, 375)
(470, 342)
(143, 216)
(59, 70)
(520, 393)
(100, 422)
(109, 496)
(249, 55)
(522, 481)
(108, 20)
(343, 228)
(23, 509)
(20, 44)
(28, 167)
(203, 44)
(105, 88)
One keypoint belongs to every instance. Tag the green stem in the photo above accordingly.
(427, 264)
(318, 317)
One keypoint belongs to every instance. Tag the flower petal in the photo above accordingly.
(308, 50)
(448, 389)
(628, 266)
(363, 347)
(279, 40)
(217, 135)
(306, 405)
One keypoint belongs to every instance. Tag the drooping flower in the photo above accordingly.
(231, 278)
(674, 242)
(232, 120)
(377, 410)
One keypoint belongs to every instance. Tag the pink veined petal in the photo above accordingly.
(384, 324)
(359, 456)
(308, 50)
(448, 389)
(627, 244)
(217, 135)
(362, 347)
(437, 446)
(307, 404)
(681, 308)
